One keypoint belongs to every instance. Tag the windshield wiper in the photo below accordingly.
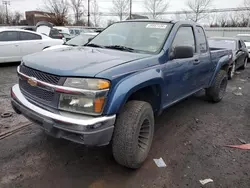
(70, 44)
(94, 45)
(122, 48)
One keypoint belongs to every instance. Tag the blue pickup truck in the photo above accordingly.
(111, 90)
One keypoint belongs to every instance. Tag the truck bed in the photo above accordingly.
(218, 53)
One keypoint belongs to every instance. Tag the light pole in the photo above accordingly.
(130, 10)
(6, 3)
(88, 12)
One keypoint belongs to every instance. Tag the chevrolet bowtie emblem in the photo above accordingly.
(32, 81)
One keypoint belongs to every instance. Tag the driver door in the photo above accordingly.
(179, 73)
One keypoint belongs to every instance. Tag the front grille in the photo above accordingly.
(36, 92)
(49, 78)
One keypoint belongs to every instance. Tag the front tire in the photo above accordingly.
(216, 92)
(133, 134)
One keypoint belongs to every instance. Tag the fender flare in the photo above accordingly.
(222, 62)
(121, 92)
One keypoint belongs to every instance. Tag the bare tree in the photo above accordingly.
(2, 15)
(96, 13)
(120, 8)
(78, 8)
(198, 9)
(110, 22)
(15, 18)
(247, 3)
(60, 10)
(156, 7)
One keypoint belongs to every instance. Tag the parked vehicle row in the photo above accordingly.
(239, 49)
(111, 90)
(16, 43)
(246, 39)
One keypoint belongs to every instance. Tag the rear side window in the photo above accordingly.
(77, 32)
(71, 31)
(243, 44)
(239, 43)
(29, 36)
(54, 32)
(9, 36)
(201, 37)
(184, 37)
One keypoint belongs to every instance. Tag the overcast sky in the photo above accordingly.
(106, 5)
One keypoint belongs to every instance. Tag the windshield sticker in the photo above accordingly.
(157, 26)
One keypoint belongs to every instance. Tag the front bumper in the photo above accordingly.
(87, 130)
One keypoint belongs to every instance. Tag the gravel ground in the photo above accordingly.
(190, 137)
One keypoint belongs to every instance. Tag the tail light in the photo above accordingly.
(60, 35)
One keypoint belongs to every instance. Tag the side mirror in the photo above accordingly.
(90, 39)
(182, 52)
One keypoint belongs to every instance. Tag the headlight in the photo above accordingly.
(85, 83)
(81, 103)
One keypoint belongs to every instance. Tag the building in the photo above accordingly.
(33, 17)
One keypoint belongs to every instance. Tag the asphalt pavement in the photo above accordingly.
(190, 137)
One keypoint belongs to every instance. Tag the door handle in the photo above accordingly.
(16, 45)
(196, 62)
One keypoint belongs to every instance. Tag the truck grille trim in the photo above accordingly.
(39, 94)
(50, 78)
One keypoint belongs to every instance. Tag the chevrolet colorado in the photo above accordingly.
(113, 88)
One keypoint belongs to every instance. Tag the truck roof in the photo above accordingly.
(161, 21)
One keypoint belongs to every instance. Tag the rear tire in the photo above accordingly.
(133, 134)
(216, 92)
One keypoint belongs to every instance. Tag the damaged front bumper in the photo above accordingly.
(87, 130)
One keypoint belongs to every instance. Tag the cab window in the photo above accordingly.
(201, 38)
(184, 37)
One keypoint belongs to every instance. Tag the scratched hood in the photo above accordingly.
(79, 61)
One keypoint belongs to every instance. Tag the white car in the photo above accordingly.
(16, 43)
(79, 40)
(246, 39)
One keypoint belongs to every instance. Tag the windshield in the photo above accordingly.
(222, 43)
(244, 38)
(80, 40)
(141, 36)
(87, 31)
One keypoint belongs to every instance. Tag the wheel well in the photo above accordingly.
(225, 67)
(150, 94)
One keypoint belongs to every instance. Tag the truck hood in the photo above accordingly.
(79, 61)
